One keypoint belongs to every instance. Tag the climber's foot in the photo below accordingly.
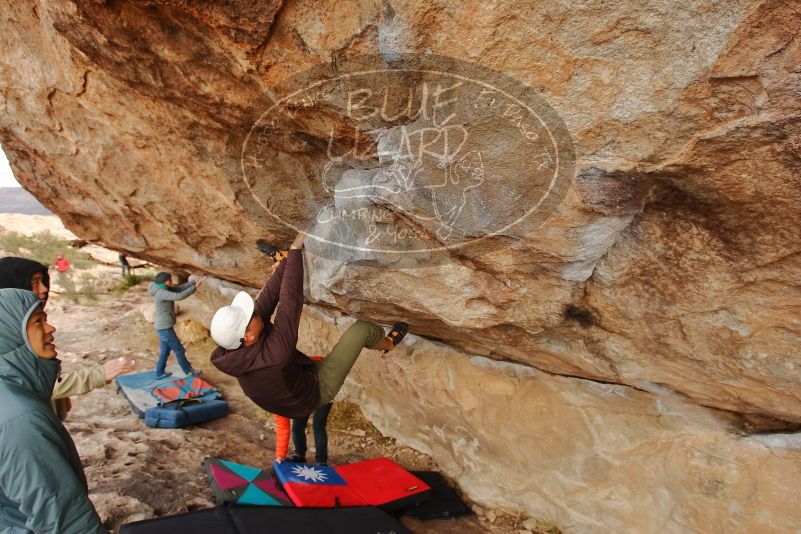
(395, 336)
(270, 250)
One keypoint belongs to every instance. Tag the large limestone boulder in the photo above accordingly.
(586, 456)
(667, 262)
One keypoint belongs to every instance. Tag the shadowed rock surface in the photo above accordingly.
(670, 265)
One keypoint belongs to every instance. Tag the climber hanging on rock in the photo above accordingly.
(263, 356)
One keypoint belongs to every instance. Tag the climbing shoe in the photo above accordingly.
(396, 335)
(270, 250)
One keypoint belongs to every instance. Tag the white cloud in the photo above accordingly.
(6, 176)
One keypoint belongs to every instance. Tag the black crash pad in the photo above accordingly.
(271, 520)
(211, 520)
(443, 504)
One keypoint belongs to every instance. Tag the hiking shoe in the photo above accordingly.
(270, 250)
(163, 375)
(295, 459)
(195, 372)
(396, 335)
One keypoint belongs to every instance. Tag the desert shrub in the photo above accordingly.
(88, 285)
(69, 287)
(131, 280)
(43, 247)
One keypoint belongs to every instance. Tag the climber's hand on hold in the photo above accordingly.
(298, 242)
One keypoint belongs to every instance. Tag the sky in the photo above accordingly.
(6, 176)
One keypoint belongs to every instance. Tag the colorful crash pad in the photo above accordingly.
(316, 486)
(271, 520)
(244, 485)
(377, 482)
(137, 388)
(190, 387)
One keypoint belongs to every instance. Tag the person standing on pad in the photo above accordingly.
(262, 355)
(319, 428)
(165, 294)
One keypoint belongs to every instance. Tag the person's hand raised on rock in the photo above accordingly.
(298, 242)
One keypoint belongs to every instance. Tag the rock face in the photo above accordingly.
(670, 262)
(585, 456)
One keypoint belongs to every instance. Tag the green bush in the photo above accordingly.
(70, 290)
(88, 288)
(131, 280)
(43, 247)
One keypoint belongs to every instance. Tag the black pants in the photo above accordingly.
(319, 423)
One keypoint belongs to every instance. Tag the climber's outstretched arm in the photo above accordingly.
(269, 296)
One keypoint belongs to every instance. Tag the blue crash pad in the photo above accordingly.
(137, 387)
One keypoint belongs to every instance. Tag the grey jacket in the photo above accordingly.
(42, 485)
(165, 298)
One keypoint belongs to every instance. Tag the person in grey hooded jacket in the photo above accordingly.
(24, 273)
(165, 294)
(42, 484)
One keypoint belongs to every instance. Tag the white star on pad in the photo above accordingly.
(307, 472)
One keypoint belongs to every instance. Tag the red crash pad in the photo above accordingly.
(378, 482)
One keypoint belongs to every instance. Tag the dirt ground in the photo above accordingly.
(136, 472)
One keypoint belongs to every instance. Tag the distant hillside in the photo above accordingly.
(17, 200)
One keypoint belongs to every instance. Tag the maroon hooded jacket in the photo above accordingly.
(272, 372)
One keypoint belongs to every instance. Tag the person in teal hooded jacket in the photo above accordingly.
(43, 488)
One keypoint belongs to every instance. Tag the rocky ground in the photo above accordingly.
(136, 472)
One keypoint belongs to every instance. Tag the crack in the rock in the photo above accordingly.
(745, 423)
(83, 86)
(774, 261)
(783, 47)
(259, 50)
(634, 217)
(50, 95)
